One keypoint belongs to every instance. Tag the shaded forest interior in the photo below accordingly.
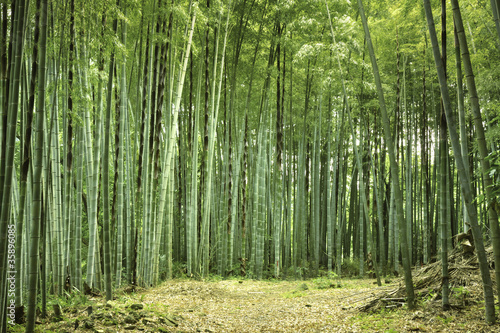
(143, 141)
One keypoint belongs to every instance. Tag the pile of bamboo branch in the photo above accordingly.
(464, 279)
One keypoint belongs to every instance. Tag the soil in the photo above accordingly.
(319, 305)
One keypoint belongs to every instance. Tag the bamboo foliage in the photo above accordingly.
(227, 122)
(204, 248)
(493, 207)
(167, 161)
(393, 163)
(464, 178)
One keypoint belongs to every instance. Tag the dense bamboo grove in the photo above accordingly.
(146, 140)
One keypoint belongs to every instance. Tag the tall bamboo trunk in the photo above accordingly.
(37, 177)
(464, 178)
(394, 167)
(105, 176)
(8, 150)
(26, 160)
(493, 208)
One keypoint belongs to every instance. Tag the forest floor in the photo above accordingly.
(317, 305)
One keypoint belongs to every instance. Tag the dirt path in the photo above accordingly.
(242, 306)
(254, 306)
(311, 306)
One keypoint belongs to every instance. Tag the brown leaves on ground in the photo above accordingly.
(252, 306)
(294, 306)
(319, 305)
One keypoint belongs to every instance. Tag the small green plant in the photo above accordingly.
(302, 287)
(375, 321)
(214, 278)
(301, 272)
(446, 320)
(293, 294)
(426, 297)
(350, 267)
(460, 294)
(15, 328)
(179, 270)
(325, 282)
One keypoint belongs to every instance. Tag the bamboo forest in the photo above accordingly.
(147, 142)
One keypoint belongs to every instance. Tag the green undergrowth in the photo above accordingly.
(127, 311)
(382, 321)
